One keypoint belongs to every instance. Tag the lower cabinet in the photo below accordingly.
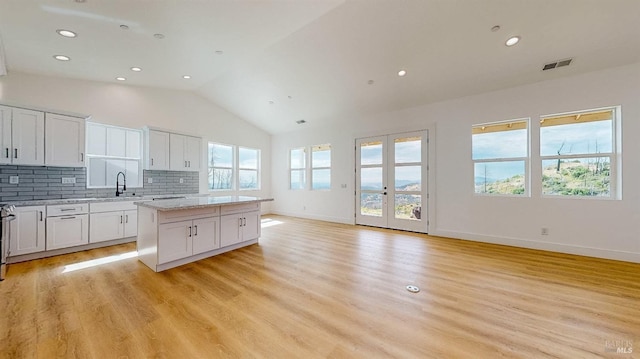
(27, 230)
(239, 227)
(112, 220)
(67, 231)
(183, 239)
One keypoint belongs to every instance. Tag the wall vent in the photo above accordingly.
(559, 63)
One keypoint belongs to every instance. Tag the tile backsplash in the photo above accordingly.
(38, 183)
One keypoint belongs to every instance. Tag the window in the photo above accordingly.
(321, 167)
(248, 164)
(228, 164)
(298, 168)
(110, 150)
(500, 153)
(578, 153)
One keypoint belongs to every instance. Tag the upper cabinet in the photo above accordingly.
(171, 151)
(65, 144)
(157, 150)
(185, 152)
(21, 136)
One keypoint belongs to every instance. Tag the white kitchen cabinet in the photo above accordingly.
(27, 230)
(22, 136)
(157, 150)
(239, 224)
(184, 152)
(184, 239)
(112, 220)
(65, 144)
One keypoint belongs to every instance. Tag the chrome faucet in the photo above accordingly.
(124, 184)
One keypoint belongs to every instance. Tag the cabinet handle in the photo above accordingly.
(152, 161)
(239, 222)
(67, 209)
(196, 230)
(7, 152)
(189, 231)
(40, 216)
(120, 219)
(81, 157)
(185, 163)
(74, 217)
(244, 221)
(15, 153)
(126, 218)
(189, 164)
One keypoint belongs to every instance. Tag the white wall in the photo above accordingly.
(602, 228)
(135, 107)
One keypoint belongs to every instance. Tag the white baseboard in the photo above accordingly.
(545, 246)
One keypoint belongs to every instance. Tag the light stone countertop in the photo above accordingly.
(99, 199)
(199, 202)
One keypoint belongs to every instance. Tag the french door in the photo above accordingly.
(391, 181)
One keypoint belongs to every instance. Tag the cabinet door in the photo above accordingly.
(27, 137)
(177, 161)
(205, 235)
(230, 229)
(106, 226)
(250, 226)
(130, 223)
(192, 153)
(67, 231)
(27, 231)
(65, 140)
(174, 241)
(5, 134)
(158, 150)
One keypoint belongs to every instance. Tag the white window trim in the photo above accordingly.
(526, 159)
(235, 168)
(303, 169)
(232, 168)
(257, 169)
(311, 169)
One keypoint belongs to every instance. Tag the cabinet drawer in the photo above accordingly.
(181, 215)
(112, 206)
(67, 209)
(238, 208)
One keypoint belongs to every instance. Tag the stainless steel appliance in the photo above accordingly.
(6, 216)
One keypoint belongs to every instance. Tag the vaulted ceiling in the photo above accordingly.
(274, 62)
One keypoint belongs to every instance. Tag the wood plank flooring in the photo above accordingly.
(313, 289)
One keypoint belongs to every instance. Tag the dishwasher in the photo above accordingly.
(6, 216)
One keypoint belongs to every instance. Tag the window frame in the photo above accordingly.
(213, 168)
(614, 155)
(257, 169)
(235, 167)
(90, 156)
(318, 148)
(302, 170)
(526, 159)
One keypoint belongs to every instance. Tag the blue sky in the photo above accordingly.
(404, 152)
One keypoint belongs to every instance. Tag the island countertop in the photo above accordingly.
(199, 202)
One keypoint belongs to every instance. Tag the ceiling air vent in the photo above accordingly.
(559, 63)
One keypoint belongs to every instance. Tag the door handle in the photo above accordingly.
(81, 157)
(152, 161)
(189, 164)
(185, 163)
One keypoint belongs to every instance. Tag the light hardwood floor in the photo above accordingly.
(313, 289)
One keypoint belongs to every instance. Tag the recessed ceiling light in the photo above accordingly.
(402, 73)
(66, 33)
(219, 52)
(62, 57)
(124, 27)
(512, 41)
(158, 36)
(120, 78)
(136, 69)
(186, 77)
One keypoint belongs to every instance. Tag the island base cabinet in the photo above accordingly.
(174, 241)
(67, 231)
(205, 235)
(241, 227)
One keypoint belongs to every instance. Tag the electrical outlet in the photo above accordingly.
(544, 231)
(68, 180)
(13, 180)
(344, 185)
(181, 180)
(149, 180)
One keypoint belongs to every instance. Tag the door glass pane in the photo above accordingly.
(408, 150)
(408, 206)
(371, 178)
(371, 153)
(408, 178)
(371, 204)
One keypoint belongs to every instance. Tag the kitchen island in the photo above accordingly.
(173, 232)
